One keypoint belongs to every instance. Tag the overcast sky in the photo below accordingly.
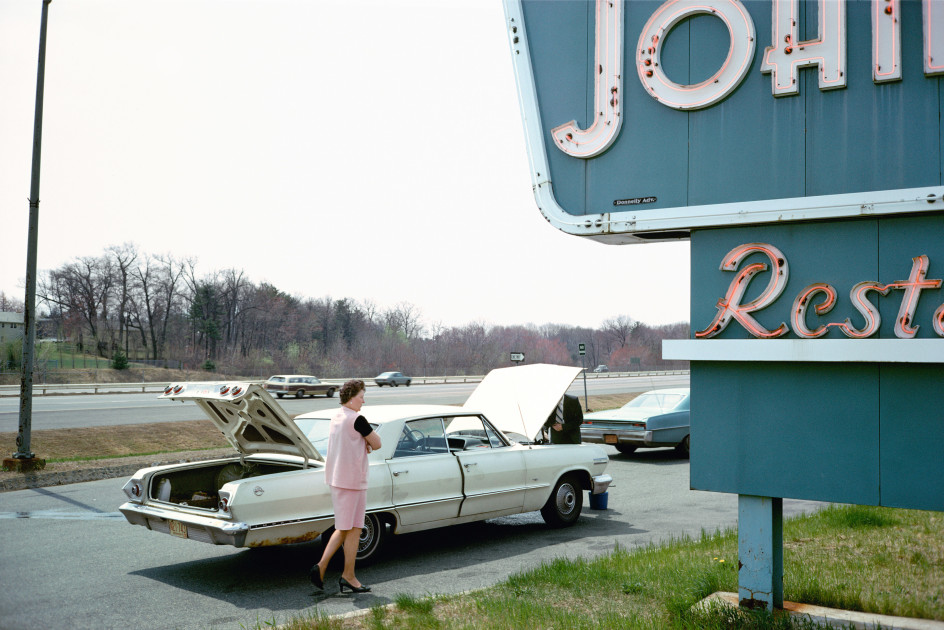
(371, 150)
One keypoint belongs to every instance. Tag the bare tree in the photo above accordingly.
(9, 304)
(405, 318)
(123, 258)
(619, 329)
(81, 289)
(157, 281)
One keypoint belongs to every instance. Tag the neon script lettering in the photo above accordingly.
(730, 307)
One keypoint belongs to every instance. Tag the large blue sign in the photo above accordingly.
(821, 412)
(648, 119)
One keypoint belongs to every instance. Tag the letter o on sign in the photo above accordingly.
(724, 81)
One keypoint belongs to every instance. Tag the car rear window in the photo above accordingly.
(277, 379)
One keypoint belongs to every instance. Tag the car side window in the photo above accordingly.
(466, 433)
(424, 436)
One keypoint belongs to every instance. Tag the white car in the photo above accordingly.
(439, 465)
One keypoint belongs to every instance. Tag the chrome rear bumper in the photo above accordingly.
(202, 528)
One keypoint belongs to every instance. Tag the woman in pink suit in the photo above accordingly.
(350, 439)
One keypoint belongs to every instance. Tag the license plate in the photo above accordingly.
(609, 438)
(177, 528)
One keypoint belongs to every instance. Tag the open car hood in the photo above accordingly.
(247, 416)
(519, 399)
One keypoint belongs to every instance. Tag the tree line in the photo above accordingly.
(159, 307)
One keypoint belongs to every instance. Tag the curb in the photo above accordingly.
(835, 617)
(43, 479)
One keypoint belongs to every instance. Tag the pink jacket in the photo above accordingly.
(346, 462)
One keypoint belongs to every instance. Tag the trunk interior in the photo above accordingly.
(199, 486)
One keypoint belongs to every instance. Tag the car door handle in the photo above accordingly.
(400, 472)
(470, 465)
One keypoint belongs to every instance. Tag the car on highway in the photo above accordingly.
(298, 385)
(656, 418)
(393, 379)
(438, 465)
(601, 368)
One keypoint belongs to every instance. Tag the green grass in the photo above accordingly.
(870, 559)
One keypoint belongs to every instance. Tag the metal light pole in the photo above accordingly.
(24, 459)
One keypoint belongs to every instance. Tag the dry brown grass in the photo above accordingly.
(119, 441)
(164, 437)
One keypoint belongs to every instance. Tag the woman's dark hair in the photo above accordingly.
(350, 389)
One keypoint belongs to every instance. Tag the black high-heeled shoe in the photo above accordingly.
(315, 576)
(342, 584)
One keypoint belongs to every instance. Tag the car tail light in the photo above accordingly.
(134, 489)
(224, 502)
(178, 389)
(236, 390)
(223, 389)
(168, 388)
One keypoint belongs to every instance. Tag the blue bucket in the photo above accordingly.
(598, 501)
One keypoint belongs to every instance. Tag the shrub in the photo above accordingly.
(209, 366)
(119, 361)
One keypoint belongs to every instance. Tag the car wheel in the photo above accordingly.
(395, 384)
(564, 505)
(280, 395)
(682, 447)
(625, 449)
(408, 383)
(373, 537)
(299, 393)
(329, 393)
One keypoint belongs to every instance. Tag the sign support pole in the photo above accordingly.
(23, 459)
(583, 364)
(760, 551)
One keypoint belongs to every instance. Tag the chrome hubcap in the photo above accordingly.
(566, 499)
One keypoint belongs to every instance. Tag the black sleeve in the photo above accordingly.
(362, 426)
(573, 412)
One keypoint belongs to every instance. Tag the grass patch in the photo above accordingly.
(871, 559)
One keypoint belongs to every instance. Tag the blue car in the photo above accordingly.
(393, 379)
(657, 418)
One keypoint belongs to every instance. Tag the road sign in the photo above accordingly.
(582, 349)
(647, 119)
(517, 357)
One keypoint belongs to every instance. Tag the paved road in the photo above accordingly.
(87, 410)
(69, 560)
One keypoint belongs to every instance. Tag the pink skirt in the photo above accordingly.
(349, 508)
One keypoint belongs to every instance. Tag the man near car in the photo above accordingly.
(564, 422)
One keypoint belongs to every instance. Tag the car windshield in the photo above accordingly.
(316, 430)
(385, 374)
(655, 400)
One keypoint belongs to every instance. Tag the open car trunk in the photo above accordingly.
(198, 486)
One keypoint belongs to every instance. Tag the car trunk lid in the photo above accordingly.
(247, 416)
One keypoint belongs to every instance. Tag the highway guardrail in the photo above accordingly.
(44, 389)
